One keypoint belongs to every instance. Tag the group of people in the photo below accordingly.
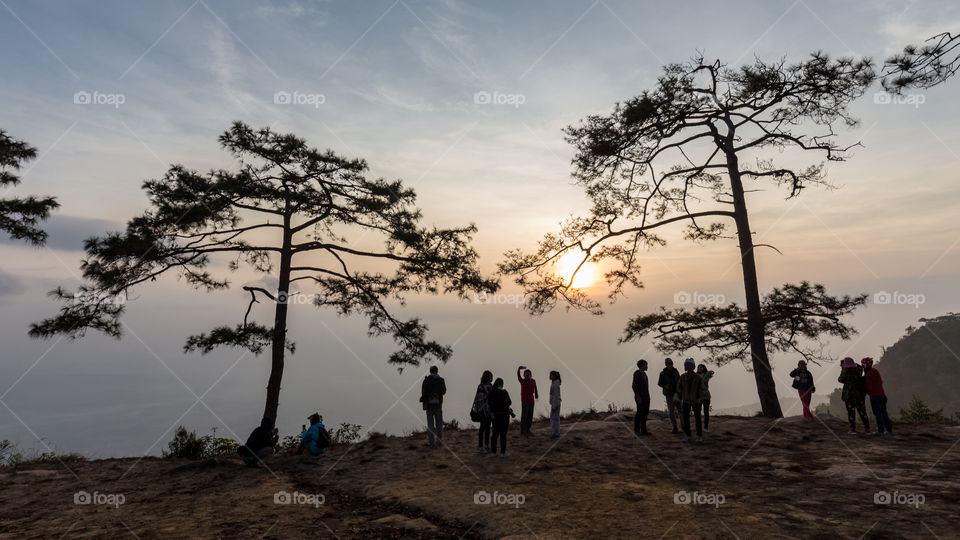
(859, 382)
(263, 439)
(686, 393)
(492, 409)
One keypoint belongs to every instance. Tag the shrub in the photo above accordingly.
(918, 411)
(12, 456)
(187, 445)
(346, 434)
(290, 443)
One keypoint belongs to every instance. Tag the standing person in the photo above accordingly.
(481, 411)
(528, 395)
(431, 395)
(261, 442)
(555, 404)
(669, 378)
(854, 394)
(691, 393)
(803, 382)
(641, 396)
(878, 398)
(499, 401)
(705, 375)
(315, 439)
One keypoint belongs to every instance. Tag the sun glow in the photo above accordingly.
(565, 267)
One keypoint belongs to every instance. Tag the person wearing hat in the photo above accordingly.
(803, 382)
(669, 378)
(878, 398)
(854, 394)
(691, 395)
(315, 439)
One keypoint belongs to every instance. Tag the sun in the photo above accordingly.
(565, 267)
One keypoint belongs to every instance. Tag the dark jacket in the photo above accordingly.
(806, 379)
(641, 385)
(854, 384)
(691, 388)
(432, 391)
(669, 378)
(261, 437)
(499, 402)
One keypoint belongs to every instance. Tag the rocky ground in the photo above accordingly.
(750, 478)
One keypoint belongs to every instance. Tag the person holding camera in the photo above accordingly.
(668, 381)
(528, 396)
(261, 442)
(499, 403)
(803, 382)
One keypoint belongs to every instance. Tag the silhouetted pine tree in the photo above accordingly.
(290, 211)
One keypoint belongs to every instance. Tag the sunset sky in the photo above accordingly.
(405, 84)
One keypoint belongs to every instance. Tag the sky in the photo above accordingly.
(466, 102)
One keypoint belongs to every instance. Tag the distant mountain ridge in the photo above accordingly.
(922, 363)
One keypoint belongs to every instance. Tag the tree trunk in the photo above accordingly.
(279, 325)
(762, 372)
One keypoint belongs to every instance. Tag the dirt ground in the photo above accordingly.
(750, 478)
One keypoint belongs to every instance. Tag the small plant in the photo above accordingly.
(918, 411)
(12, 456)
(452, 425)
(346, 434)
(188, 445)
(290, 442)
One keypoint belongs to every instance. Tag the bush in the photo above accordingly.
(187, 445)
(452, 425)
(12, 456)
(346, 434)
(9, 454)
(290, 443)
(918, 411)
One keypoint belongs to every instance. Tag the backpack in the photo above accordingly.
(480, 402)
(323, 439)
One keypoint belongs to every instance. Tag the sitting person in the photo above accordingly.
(315, 439)
(260, 443)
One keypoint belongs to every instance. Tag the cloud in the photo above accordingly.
(300, 10)
(9, 284)
(68, 232)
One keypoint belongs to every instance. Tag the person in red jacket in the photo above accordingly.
(528, 394)
(878, 398)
